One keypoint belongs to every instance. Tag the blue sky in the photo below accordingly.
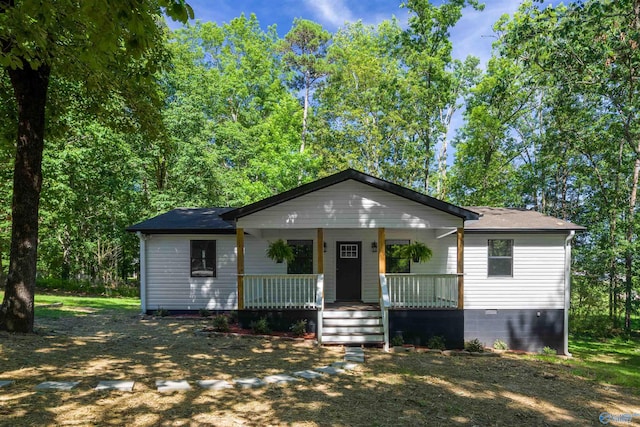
(472, 36)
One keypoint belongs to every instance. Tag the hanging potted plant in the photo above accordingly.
(418, 252)
(280, 251)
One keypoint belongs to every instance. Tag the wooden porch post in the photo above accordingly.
(382, 255)
(460, 269)
(240, 265)
(320, 250)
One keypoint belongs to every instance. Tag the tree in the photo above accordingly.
(77, 39)
(305, 49)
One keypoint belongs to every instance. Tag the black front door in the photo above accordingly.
(348, 271)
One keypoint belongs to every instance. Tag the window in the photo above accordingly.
(395, 262)
(203, 258)
(348, 250)
(500, 257)
(303, 257)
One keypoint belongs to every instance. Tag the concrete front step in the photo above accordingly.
(352, 322)
(350, 314)
(352, 339)
(333, 330)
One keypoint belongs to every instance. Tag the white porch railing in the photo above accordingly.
(385, 304)
(285, 291)
(423, 290)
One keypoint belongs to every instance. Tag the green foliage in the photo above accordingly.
(397, 340)
(299, 328)
(260, 326)
(85, 287)
(221, 323)
(203, 312)
(161, 312)
(279, 251)
(416, 251)
(474, 346)
(436, 342)
(500, 345)
(548, 351)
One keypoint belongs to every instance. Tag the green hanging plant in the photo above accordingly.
(280, 251)
(418, 252)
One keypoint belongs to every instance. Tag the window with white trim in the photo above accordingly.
(203, 258)
(395, 263)
(500, 261)
(302, 257)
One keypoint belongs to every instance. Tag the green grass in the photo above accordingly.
(73, 306)
(614, 361)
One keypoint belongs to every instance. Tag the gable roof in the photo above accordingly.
(187, 220)
(514, 219)
(356, 176)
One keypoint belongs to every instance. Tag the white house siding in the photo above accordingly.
(349, 204)
(538, 273)
(169, 282)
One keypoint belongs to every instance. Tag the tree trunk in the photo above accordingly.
(30, 89)
(629, 251)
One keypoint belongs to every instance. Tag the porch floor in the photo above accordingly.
(352, 306)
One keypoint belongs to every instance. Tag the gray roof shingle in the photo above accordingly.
(513, 219)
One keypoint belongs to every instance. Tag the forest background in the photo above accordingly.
(235, 113)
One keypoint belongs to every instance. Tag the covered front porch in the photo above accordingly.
(359, 313)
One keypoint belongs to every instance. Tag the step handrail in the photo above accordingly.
(385, 303)
(319, 306)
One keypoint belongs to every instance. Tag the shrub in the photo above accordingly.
(260, 326)
(221, 323)
(436, 342)
(86, 287)
(204, 312)
(161, 312)
(548, 351)
(500, 345)
(299, 328)
(474, 346)
(397, 340)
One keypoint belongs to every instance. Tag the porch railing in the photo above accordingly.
(423, 290)
(285, 291)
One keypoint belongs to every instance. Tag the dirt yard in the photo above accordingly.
(389, 389)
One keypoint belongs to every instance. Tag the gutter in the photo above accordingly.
(143, 272)
(567, 289)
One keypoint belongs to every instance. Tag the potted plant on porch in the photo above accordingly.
(417, 251)
(280, 251)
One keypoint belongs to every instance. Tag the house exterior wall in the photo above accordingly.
(169, 284)
(538, 272)
(349, 204)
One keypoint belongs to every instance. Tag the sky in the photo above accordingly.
(472, 35)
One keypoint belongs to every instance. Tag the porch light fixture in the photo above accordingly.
(374, 247)
(324, 246)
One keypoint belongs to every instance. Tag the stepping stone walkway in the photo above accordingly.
(214, 384)
(57, 385)
(280, 379)
(115, 385)
(352, 354)
(170, 385)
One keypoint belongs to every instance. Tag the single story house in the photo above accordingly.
(494, 273)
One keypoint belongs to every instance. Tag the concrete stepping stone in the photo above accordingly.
(249, 382)
(347, 366)
(354, 354)
(308, 374)
(115, 385)
(279, 379)
(170, 385)
(214, 384)
(330, 370)
(4, 383)
(57, 385)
